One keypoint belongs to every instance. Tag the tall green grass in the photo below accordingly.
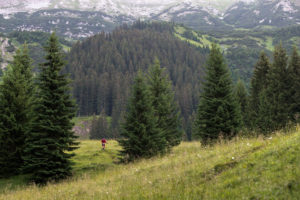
(258, 168)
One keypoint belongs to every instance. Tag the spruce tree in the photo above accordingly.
(16, 100)
(294, 68)
(263, 121)
(258, 84)
(164, 104)
(241, 96)
(100, 128)
(49, 144)
(141, 136)
(218, 112)
(278, 90)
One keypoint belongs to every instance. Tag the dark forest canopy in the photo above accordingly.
(103, 67)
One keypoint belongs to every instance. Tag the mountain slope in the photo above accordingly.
(242, 47)
(259, 168)
(35, 41)
(114, 7)
(103, 67)
(82, 18)
(264, 13)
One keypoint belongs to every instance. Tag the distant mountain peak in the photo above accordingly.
(83, 18)
(136, 8)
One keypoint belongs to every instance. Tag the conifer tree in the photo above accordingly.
(241, 96)
(164, 104)
(49, 144)
(16, 99)
(263, 121)
(258, 84)
(100, 128)
(278, 90)
(294, 68)
(218, 112)
(141, 137)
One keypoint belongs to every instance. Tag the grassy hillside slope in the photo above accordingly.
(261, 168)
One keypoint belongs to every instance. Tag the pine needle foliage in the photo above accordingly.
(16, 112)
(278, 90)
(141, 136)
(241, 96)
(294, 67)
(258, 85)
(164, 104)
(49, 144)
(218, 112)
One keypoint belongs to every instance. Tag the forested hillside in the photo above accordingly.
(103, 67)
(206, 109)
(242, 47)
(35, 41)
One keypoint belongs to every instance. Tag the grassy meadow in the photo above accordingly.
(257, 168)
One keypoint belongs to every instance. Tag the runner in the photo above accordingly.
(103, 143)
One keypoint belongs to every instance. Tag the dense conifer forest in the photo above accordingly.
(104, 66)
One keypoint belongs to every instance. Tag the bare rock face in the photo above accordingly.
(134, 8)
(82, 129)
(83, 18)
(6, 52)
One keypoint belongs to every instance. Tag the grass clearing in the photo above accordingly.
(205, 41)
(180, 29)
(257, 168)
(269, 43)
(197, 44)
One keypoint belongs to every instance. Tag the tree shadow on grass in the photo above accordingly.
(13, 183)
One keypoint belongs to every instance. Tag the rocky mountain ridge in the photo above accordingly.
(133, 8)
(82, 18)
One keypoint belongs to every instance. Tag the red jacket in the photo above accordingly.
(103, 140)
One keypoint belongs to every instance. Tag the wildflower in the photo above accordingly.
(232, 158)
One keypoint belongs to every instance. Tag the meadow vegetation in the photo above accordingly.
(243, 168)
(148, 160)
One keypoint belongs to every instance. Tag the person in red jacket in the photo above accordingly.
(103, 143)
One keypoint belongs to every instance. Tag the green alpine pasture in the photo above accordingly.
(243, 168)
